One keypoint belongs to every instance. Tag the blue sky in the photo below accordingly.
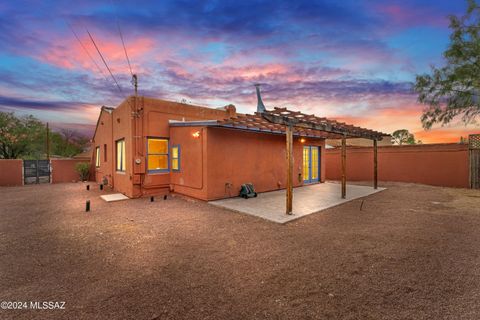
(350, 60)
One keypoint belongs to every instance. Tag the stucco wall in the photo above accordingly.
(155, 123)
(63, 170)
(437, 164)
(152, 121)
(11, 172)
(103, 140)
(191, 178)
(236, 157)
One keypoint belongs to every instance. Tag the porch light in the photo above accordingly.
(302, 140)
(196, 134)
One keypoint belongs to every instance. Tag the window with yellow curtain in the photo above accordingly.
(97, 157)
(121, 158)
(176, 158)
(157, 149)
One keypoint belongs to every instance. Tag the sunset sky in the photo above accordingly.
(350, 60)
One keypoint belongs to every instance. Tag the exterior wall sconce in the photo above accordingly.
(196, 134)
(302, 140)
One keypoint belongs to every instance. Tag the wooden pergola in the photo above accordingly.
(288, 122)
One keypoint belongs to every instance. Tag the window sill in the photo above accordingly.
(120, 172)
(157, 172)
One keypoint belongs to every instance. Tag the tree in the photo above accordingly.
(68, 143)
(20, 136)
(402, 136)
(25, 138)
(454, 90)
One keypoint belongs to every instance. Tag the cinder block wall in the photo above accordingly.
(433, 164)
(11, 172)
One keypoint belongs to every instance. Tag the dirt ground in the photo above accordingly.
(412, 252)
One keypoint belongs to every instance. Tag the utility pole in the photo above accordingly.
(48, 143)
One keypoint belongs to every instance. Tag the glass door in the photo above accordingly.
(311, 164)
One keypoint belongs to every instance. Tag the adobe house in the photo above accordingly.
(149, 146)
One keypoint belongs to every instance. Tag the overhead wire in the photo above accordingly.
(124, 48)
(134, 76)
(89, 55)
(86, 51)
(105, 62)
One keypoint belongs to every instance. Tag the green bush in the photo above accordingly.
(83, 169)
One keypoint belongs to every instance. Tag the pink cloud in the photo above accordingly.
(406, 16)
(71, 55)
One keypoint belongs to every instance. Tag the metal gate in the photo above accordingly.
(474, 156)
(36, 171)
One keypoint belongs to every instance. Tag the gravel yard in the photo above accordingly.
(412, 252)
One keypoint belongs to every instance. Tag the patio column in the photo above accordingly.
(375, 165)
(344, 167)
(289, 151)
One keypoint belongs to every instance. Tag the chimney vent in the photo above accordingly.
(260, 106)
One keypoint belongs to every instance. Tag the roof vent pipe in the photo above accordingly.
(260, 106)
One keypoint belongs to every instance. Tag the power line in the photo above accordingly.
(124, 48)
(105, 62)
(86, 51)
(89, 55)
(134, 76)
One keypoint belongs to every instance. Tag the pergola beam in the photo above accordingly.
(326, 127)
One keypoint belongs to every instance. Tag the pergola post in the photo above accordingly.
(375, 165)
(344, 167)
(289, 151)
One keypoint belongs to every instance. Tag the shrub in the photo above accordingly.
(83, 169)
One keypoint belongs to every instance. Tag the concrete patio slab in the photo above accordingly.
(306, 200)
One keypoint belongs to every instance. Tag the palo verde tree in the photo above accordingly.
(453, 90)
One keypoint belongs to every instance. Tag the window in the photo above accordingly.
(97, 157)
(121, 159)
(176, 158)
(157, 153)
(104, 153)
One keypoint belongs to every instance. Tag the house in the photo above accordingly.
(149, 146)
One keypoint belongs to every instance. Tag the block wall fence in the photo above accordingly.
(62, 170)
(444, 165)
(433, 164)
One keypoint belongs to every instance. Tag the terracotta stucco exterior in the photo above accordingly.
(63, 170)
(11, 172)
(212, 165)
(435, 164)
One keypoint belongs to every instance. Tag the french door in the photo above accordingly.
(311, 164)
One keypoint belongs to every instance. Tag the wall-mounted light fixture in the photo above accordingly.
(302, 140)
(196, 134)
